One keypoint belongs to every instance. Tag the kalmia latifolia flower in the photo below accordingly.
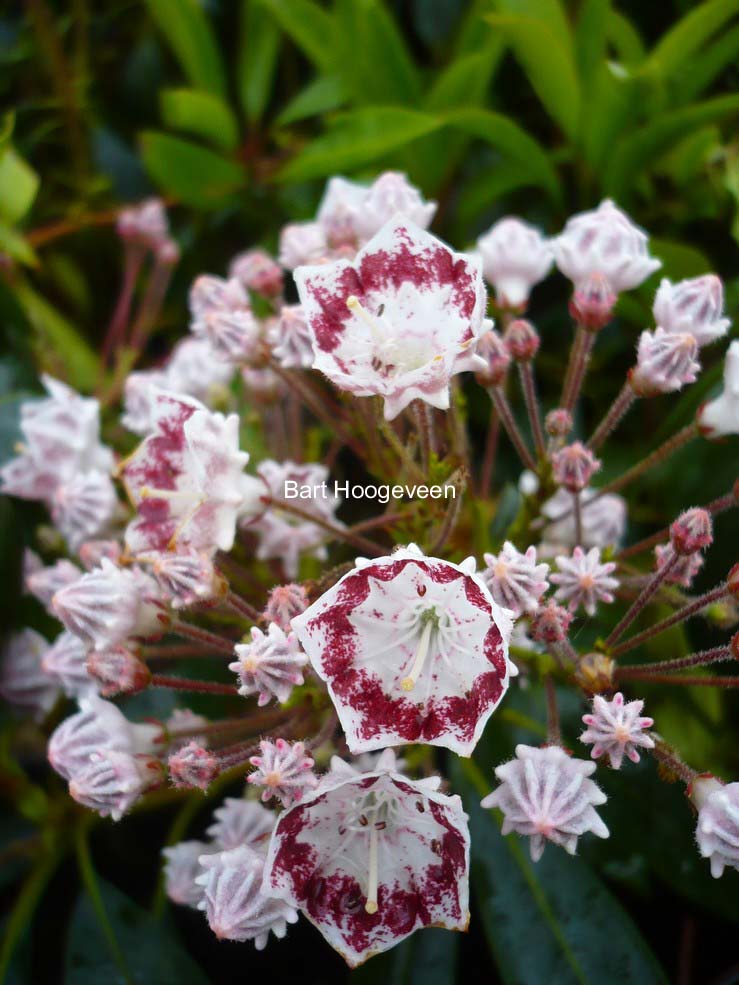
(522, 340)
(584, 580)
(236, 907)
(284, 603)
(45, 582)
(692, 531)
(492, 349)
(181, 869)
(695, 306)
(84, 507)
(413, 649)
(185, 577)
(108, 605)
(515, 257)
(301, 243)
(192, 766)
(284, 769)
(65, 662)
(603, 519)
(717, 831)
(681, 572)
(604, 241)
(616, 728)
(270, 665)
(144, 224)
(547, 795)
(23, 681)
(592, 302)
(399, 321)
(186, 480)
(113, 781)
(720, 417)
(371, 857)
(574, 466)
(221, 312)
(390, 195)
(258, 272)
(118, 670)
(550, 623)
(515, 580)
(291, 339)
(666, 362)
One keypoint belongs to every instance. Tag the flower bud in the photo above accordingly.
(113, 781)
(493, 349)
(285, 602)
(193, 766)
(118, 670)
(258, 272)
(515, 257)
(522, 340)
(574, 466)
(595, 673)
(592, 303)
(551, 623)
(558, 422)
(694, 305)
(692, 531)
(186, 576)
(666, 362)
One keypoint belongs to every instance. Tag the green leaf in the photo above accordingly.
(372, 56)
(677, 47)
(358, 139)
(16, 246)
(192, 174)
(549, 13)
(625, 39)
(260, 42)
(591, 36)
(575, 932)
(707, 66)
(549, 66)
(309, 26)
(18, 186)
(321, 96)
(613, 104)
(510, 138)
(678, 260)
(151, 947)
(635, 153)
(60, 348)
(200, 113)
(428, 957)
(463, 81)
(188, 32)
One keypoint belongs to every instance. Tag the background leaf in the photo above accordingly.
(187, 30)
(190, 173)
(201, 114)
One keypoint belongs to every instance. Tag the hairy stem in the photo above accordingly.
(618, 410)
(641, 600)
(508, 421)
(636, 672)
(677, 617)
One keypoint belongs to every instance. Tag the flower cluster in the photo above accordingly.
(334, 639)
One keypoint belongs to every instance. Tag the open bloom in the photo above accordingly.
(515, 580)
(717, 831)
(234, 903)
(399, 321)
(371, 857)
(695, 306)
(515, 257)
(270, 665)
(584, 580)
(547, 795)
(604, 241)
(413, 649)
(720, 417)
(615, 728)
(23, 679)
(186, 479)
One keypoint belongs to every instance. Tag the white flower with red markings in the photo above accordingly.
(284, 769)
(234, 903)
(413, 649)
(371, 857)
(400, 320)
(695, 306)
(720, 417)
(616, 729)
(515, 580)
(515, 257)
(186, 479)
(604, 241)
(584, 580)
(546, 795)
(270, 665)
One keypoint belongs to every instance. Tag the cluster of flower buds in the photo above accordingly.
(219, 545)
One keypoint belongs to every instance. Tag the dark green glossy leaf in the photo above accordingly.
(260, 43)
(189, 34)
(18, 186)
(553, 921)
(150, 947)
(625, 38)
(310, 26)
(549, 13)
(193, 174)
(428, 957)
(201, 114)
(325, 94)
(681, 42)
(591, 36)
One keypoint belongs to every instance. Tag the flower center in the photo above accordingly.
(430, 621)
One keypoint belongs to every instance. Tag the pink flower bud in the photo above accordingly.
(193, 766)
(681, 572)
(302, 243)
(118, 670)
(144, 224)
(284, 769)
(285, 602)
(494, 351)
(66, 663)
(258, 272)
(558, 423)
(695, 306)
(574, 466)
(113, 781)
(186, 576)
(291, 339)
(44, 583)
(84, 506)
(593, 302)
(692, 531)
(92, 552)
(666, 362)
(522, 340)
(515, 257)
(550, 623)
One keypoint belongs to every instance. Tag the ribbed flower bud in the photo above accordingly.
(193, 766)
(692, 531)
(522, 340)
(550, 623)
(666, 362)
(113, 781)
(574, 466)
(258, 272)
(284, 603)
(118, 670)
(558, 422)
(593, 302)
(493, 349)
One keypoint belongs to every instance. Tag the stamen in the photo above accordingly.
(371, 905)
(409, 682)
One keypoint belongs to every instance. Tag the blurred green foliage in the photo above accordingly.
(236, 112)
